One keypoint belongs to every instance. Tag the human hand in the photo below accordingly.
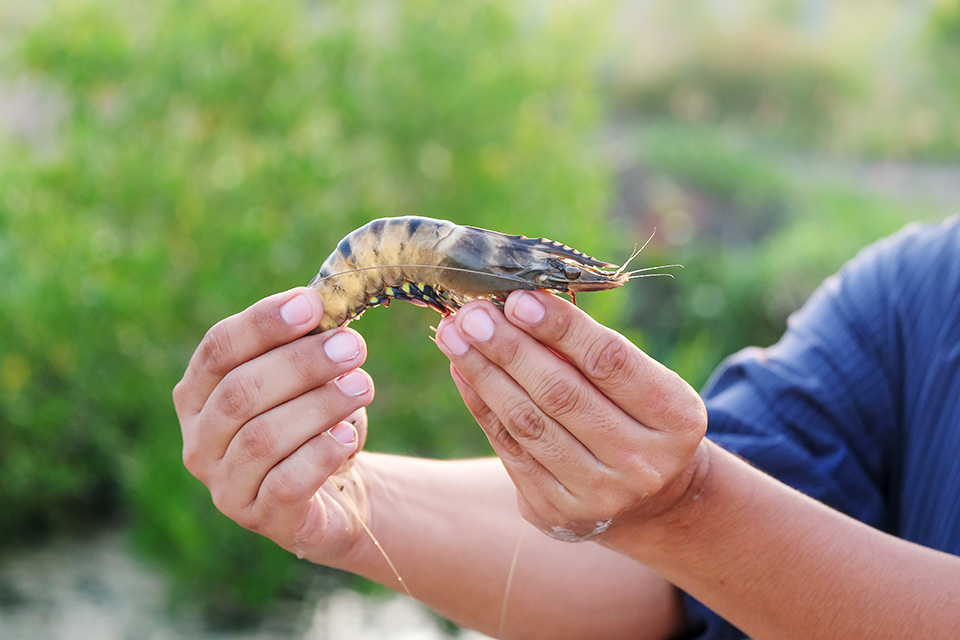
(271, 419)
(594, 433)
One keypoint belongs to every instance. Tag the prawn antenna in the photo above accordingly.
(509, 586)
(356, 512)
(643, 272)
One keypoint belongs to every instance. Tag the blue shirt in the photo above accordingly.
(858, 404)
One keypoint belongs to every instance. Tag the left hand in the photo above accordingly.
(594, 433)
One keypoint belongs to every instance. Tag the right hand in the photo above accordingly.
(272, 419)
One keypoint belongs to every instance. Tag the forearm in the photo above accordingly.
(451, 529)
(780, 565)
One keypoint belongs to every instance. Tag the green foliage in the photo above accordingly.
(755, 235)
(210, 153)
(872, 79)
(945, 24)
(943, 47)
(788, 95)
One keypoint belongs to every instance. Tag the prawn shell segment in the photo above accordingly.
(489, 264)
(441, 265)
(387, 258)
(523, 244)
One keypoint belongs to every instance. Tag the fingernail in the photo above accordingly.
(451, 339)
(344, 433)
(353, 384)
(342, 347)
(296, 311)
(477, 324)
(527, 309)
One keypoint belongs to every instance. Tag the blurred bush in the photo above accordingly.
(874, 79)
(734, 119)
(212, 152)
(756, 235)
(942, 48)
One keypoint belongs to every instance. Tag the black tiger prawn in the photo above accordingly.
(442, 265)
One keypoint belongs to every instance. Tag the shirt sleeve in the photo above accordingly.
(820, 409)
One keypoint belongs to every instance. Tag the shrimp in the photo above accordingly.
(442, 265)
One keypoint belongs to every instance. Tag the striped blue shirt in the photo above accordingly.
(858, 405)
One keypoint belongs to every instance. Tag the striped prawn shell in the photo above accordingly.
(442, 265)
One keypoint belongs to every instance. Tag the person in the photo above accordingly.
(822, 503)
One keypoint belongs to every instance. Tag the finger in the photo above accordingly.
(265, 325)
(514, 411)
(556, 388)
(504, 445)
(280, 375)
(530, 477)
(566, 511)
(648, 391)
(283, 501)
(359, 421)
(266, 382)
(271, 437)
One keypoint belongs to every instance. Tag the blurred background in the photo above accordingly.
(166, 164)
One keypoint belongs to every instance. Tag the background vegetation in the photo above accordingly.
(180, 160)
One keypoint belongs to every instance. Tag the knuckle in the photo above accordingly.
(179, 390)
(254, 516)
(252, 522)
(506, 443)
(216, 348)
(486, 417)
(221, 499)
(495, 430)
(283, 488)
(257, 440)
(525, 422)
(609, 361)
(239, 396)
(192, 460)
(560, 396)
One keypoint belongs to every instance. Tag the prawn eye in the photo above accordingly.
(571, 272)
